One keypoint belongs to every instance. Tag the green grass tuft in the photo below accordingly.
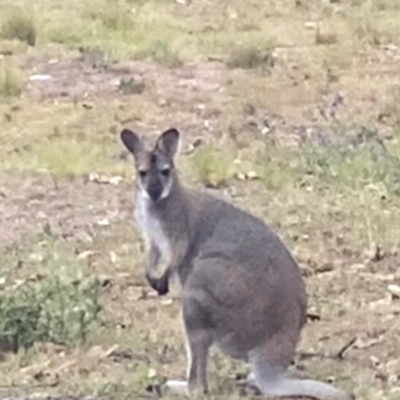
(213, 167)
(18, 23)
(250, 57)
(11, 83)
(58, 305)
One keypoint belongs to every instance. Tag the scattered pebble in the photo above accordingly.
(113, 257)
(394, 291)
(311, 25)
(252, 175)
(240, 176)
(35, 257)
(34, 78)
(103, 222)
(152, 373)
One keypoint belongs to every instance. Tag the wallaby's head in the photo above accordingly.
(155, 168)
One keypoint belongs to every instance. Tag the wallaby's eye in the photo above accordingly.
(142, 173)
(165, 172)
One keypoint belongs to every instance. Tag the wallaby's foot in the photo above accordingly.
(160, 285)
(248, 381)
(272, 381)
(251, 379)
(177, 387)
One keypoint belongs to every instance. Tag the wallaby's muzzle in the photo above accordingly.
(155, 190)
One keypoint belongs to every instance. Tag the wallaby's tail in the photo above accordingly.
(272, 382)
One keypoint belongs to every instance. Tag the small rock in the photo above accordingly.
(152, 373)
(394, 291)
(36, 257)
(252, 175)
(311, 25)
(103, 222)
(240, 176)
(34, 78)
(357, 267)
(113, 257)
(265, 130)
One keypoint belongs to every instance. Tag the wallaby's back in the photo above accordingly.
(254, 285)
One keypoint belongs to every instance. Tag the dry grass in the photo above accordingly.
(11, 83)
(18, 23)
(290, 108)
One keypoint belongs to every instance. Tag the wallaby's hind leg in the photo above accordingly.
(272, 381)
(199, 343)
(199, 340)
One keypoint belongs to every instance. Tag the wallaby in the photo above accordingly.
(241, 288)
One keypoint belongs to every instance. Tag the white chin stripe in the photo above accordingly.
(144, 193)
(167, 190)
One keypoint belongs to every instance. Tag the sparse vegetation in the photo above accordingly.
(18, 23)
(355, 163)
(250, 57)
(162, 53)
(214, 168)
(113, 14)
(10, 81)
(59, 305)
(68, 159)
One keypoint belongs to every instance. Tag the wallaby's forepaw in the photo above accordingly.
(160, 285)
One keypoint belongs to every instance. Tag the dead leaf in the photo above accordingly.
(85, 254)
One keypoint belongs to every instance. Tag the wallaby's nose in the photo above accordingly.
(155, 190)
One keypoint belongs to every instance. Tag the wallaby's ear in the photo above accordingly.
(168, 142)
(131, 141)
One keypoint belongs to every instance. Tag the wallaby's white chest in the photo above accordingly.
(151, 226)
